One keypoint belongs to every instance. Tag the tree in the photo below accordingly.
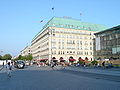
(23, 58)
(29, 57)
(19, 57)
(80, 62)
(94, 62)
(7, 57)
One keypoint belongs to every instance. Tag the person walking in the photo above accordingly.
(103, 64)
(63, 65)
(8, 69)
(3, 65)
(84, 64)
(52, 64)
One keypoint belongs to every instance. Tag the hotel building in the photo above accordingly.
(26, 51)
(108, 43)
(65, 37)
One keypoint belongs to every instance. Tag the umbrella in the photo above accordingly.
(81, 60)
(43, 60)
(54, 60)
(62, 60)
(72, 60)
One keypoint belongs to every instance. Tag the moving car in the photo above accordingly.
(20, 64)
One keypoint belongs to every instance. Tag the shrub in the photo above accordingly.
(94, 62)
(80, 62)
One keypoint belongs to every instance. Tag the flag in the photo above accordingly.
(41, 21)
(52, 8)
(80, 14)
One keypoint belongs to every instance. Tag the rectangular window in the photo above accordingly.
(90, 43)
(90, 53)
(90, 48)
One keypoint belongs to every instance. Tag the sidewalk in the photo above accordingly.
(1, 67)
(2, 70)
(96, 70)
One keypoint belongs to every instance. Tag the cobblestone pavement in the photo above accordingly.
(44, 78)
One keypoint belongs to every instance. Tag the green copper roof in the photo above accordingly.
(72, 24)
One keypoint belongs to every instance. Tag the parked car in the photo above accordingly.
(20, 64)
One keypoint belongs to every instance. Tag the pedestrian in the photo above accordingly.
(39, 64)
(98, 65)
(111, 65)
(8, 69)
(63, 65)
(52, 64)
(84, 64)
(12, 63)
(103, 64)
(3, 64)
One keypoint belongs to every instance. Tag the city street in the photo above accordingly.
(44, 78)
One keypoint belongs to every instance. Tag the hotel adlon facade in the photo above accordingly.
(65, 37)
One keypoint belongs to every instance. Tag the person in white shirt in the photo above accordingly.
(8, 69)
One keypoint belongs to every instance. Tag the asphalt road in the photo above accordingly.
(93, 75)
(44, 78)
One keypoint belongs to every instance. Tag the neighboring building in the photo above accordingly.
(26, 51)
(108, 44)
(65, 37)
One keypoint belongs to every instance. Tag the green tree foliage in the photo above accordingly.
(23, 58)
(19, 57)
(80, 62)
(28, 57)
(94, 62)
(7, 57)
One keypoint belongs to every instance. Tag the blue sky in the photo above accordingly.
(20, 19)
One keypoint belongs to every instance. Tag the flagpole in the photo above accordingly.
(81, 16)
(53, 11)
